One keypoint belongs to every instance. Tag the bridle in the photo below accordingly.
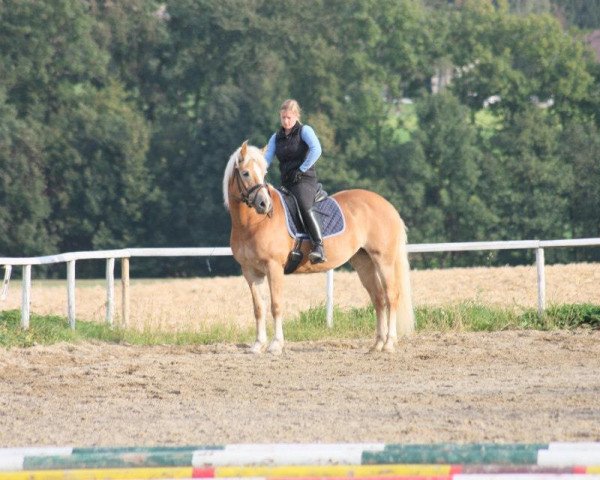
(248, 195)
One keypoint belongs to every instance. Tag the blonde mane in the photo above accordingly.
(252, 153)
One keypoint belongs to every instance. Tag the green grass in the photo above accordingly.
(472, 317)
(354, 323)
(47, 330)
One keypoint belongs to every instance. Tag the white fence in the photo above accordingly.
(110, 255)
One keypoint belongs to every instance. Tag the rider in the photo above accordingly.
(298, 148)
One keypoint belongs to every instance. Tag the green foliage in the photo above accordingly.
(44, 46)
(135, 36)
(580, 150)
(528, 156)
(518, 58)
(23, 206)
(117, 118)
(582, 13)
(96, 165)
(436, 180)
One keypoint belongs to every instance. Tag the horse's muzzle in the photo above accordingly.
(262, 202)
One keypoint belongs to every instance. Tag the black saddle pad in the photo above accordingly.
(328, 213)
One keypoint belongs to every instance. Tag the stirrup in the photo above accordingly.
(293, 260)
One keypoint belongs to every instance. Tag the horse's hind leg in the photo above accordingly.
(394, 273)
(367, 273)
(391, 295)
(256, 282)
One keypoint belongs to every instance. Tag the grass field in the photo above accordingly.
(193, 305)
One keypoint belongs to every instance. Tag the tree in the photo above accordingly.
(124, 113)
(580, 149)
(91, 143)
(136, 36)
(528, 182)
(519, 59)
(44, 46)
(95, 167)
(24, 208)
(449, 143)
(582, 13)
(530, 6)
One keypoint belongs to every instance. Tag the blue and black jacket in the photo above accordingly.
(297, 150)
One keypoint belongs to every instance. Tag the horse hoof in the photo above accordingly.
(389, 347)
(257, 348)
(276, 348)
(377, 347)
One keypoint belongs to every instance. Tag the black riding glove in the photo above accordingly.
(297, 176)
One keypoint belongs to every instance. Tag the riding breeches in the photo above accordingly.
(305, 191)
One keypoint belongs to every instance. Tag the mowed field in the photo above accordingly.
(193, 304)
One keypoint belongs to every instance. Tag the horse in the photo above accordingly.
(374, 242)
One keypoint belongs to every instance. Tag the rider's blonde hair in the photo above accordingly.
(291, 105)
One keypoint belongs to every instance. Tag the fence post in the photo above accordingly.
(125, 290)
(541, 280)
(7, 272)
(329, 304)
(71, 293)
(26, 297)
(110, 290)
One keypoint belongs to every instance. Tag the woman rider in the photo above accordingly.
(297, 148)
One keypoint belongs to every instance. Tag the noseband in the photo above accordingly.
(248, 195)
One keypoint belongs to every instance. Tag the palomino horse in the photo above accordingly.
(374, 242)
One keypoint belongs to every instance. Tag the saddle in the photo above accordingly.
(328, 214)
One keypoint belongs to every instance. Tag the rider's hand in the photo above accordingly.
(297, 176)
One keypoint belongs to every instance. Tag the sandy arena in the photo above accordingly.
(439, 387)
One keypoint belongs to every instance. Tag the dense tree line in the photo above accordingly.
(117, 117)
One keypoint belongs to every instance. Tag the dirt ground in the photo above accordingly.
(439, 387)
(467, 387)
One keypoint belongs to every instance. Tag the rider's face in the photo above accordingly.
(288, 119)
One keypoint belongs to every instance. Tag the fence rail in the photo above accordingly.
(126, 254)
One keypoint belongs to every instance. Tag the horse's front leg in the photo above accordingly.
(256, 283)
(276, 279)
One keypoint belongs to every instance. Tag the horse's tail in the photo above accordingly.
(406, 316)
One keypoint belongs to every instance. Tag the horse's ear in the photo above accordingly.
(243, 150)
(264, 149)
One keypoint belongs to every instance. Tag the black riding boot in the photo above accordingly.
(314, 230)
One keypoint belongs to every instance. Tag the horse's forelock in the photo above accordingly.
(252, 153)
(256, 154)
